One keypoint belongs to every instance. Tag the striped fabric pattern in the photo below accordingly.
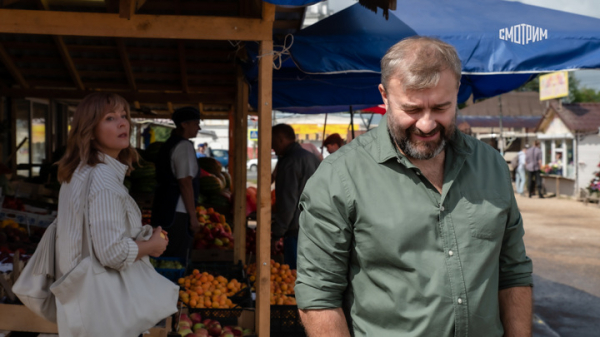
(114, 217)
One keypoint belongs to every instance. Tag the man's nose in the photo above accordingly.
(426, 123)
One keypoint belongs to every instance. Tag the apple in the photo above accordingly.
(247, 332)
(215, 329)
(207, 322)
(198, 326)
(237, 331)
(226, 334)
(201, 333)
(195, 317)
(185, 332)
(185, 318)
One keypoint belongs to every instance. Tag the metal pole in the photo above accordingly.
(501, 139)
(352, 121)
(324, 127)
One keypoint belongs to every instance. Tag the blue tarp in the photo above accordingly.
(501, 44)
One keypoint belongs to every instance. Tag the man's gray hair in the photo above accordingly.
(418, 62)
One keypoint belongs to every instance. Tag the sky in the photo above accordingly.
(587, 78)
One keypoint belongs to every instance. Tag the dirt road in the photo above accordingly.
(562, 238)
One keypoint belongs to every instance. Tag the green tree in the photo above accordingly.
(579, 94)
(532, 85)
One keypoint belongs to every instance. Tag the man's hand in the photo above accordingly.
(194, 224)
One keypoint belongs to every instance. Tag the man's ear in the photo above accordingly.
(383, 94)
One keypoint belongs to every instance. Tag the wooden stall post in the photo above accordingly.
(240, 125)
(263, 233)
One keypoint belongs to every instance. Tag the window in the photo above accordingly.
(558, 157)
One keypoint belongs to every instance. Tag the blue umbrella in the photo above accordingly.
(491, 37)
(502, 45)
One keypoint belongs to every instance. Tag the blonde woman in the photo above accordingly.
(98, 149)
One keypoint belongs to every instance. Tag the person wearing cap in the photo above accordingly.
(333, 143)
(174, 206)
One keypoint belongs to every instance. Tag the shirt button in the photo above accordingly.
(459, 300)
(451, 253)
(442, 208)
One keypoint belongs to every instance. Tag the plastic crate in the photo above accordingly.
(224, 316)
(171, 274)
(285, 321)
(227, 270)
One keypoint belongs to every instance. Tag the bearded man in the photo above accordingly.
(412, 229)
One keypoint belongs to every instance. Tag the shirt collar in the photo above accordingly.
(387, 149)
(119, 168)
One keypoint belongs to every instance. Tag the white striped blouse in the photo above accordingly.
(114, 217)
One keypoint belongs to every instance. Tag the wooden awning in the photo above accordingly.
(159, 54)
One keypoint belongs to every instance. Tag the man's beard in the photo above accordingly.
(418, 149)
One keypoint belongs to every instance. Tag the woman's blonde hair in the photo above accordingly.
(82, 148)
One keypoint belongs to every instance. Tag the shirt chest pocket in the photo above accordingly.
(485, 212)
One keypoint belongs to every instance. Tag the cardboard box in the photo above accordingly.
(212, 255)
(16, 317)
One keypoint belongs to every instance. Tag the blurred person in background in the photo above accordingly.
(333, 143)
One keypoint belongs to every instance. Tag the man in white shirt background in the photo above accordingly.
(174, 206)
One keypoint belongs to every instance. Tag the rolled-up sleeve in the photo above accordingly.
(515, 267)
(107, 221)
(324, 240)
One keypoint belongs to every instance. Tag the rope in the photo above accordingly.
(277, 55)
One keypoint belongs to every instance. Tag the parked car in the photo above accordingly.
(252, 164)
(222, 156)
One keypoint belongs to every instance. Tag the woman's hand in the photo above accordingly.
(155, 246)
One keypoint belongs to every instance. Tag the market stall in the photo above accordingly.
(159, 55)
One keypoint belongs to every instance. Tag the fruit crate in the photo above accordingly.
(171, 274)
(224, 316)
(285, 321)
(243, 298)
(227, 270)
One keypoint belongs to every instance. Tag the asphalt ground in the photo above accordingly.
(562, 237)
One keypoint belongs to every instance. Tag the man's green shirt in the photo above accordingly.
(377, 239)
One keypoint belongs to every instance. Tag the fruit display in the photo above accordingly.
(194, 326)
(214, 183)
(166, 264)
(204, 290)
(276, 250)
(146, 217)
(252, 199)
(143, 177)
(215, 232)
(13, 203)
(283, 280)
(14, 237)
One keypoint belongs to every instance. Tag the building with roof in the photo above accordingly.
(570, 143)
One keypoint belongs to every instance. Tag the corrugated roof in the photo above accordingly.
(580, 117)
(494, 121)
(516, 103)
